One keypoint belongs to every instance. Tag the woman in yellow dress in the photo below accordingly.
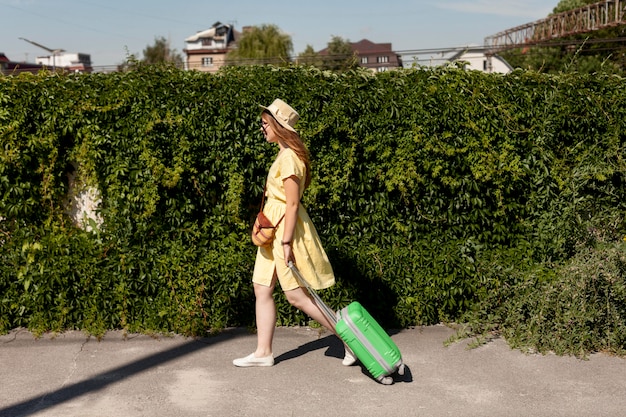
(296, 238)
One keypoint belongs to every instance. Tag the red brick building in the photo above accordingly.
(376, 56)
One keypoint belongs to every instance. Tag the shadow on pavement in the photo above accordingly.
(335, 350)
(334, 345)
(67, 393)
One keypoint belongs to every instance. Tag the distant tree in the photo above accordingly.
(339, 55)
(131, 62)
(161, 52)
(310, 57)
(567, 5)
(265, 44)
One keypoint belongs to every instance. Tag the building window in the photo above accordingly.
(382, 59)
(382, 69)
(363, 60)
(207, 61)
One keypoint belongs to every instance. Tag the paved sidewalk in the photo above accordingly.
(137, 375)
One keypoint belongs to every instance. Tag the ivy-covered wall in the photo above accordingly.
(429, 188)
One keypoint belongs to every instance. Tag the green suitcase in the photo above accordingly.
(363, 335)
(370, 342)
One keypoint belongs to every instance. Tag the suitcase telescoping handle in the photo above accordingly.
(327, 311)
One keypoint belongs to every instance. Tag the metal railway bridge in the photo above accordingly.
(601, 15)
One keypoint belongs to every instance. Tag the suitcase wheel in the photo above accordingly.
(386, 380)
(401, 369)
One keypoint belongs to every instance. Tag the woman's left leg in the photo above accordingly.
(302, 300)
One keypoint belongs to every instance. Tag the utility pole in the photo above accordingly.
(54, 52)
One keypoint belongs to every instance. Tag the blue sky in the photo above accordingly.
(108, 29)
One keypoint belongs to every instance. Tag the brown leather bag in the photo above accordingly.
(263, 231)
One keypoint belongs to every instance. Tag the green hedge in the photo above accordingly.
(432, 190)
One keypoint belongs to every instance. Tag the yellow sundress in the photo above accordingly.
(311, 259)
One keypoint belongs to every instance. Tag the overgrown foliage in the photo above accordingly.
(575, 307)
(437, 193)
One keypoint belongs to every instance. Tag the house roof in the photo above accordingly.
(215, 31)
(209, 33)
(364, 47)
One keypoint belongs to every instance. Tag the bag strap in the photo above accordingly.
(263, 197)
(263, 204)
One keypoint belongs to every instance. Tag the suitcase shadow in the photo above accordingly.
(407, 377)
(334, 348)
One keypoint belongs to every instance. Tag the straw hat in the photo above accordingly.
(284, 114)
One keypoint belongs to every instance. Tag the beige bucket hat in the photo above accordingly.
(283, 113)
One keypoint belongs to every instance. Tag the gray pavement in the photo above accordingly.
(137, 375)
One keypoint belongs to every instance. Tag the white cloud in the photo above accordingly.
(533, 9)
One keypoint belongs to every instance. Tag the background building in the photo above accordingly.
(68, 61)
(8, 67)
(206, 50)
(474, 57)
(376, 56)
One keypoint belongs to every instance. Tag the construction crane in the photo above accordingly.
(54, 52)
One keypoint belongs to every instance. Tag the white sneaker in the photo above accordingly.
(252, 360)
(348, 359)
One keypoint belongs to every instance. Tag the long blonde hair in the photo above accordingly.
(293, 141)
